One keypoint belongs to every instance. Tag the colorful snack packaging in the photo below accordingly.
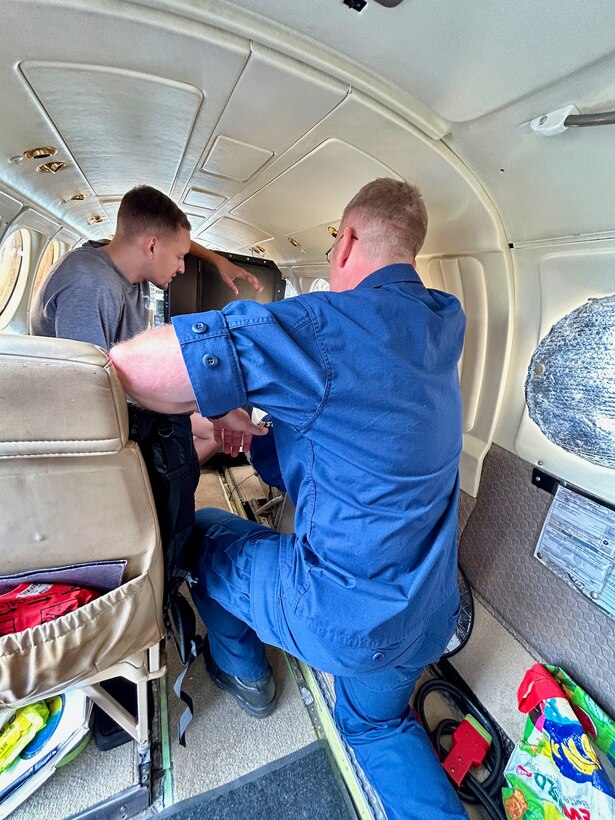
(563, 767)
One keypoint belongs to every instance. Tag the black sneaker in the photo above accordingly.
(256, 697)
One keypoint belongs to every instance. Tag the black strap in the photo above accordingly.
(172, 465)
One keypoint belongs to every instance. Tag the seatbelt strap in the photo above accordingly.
(186, 716)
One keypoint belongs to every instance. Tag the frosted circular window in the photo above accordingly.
(570, 385)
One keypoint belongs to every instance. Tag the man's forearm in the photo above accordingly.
(152, 371)
(204, 253)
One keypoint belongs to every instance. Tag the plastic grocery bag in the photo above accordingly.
(564, 766)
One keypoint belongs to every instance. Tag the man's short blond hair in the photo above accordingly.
(392, 218)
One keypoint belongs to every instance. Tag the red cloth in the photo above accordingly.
(537, 685)
(32, 604)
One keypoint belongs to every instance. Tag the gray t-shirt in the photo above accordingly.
(86, 297)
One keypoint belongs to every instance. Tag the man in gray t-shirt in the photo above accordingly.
(99, 292)
(88, 298)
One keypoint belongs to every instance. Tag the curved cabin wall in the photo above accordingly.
(555, 197)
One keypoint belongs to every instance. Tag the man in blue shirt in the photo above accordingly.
(362, 386)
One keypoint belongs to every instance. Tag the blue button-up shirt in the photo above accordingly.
(363, 389)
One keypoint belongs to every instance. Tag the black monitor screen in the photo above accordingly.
(200, 288)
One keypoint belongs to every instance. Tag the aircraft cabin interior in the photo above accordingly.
(261, 120)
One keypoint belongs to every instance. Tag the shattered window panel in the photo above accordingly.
(570, 385)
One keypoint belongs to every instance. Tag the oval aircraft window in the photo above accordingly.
(319, 284)
(53, 252)
(570, 386)
(291, 290)
(13, 251)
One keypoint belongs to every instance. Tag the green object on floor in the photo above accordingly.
(555, 771)
(76, 751)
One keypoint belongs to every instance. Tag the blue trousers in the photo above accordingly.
(237, 596)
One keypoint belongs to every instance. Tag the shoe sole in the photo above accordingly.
(253, 711)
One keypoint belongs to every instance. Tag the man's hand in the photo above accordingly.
(206, 440)
(152, 371)
(227, 270)
(236, 430)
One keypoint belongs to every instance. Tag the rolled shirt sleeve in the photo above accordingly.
(211, 362)
(268, 355)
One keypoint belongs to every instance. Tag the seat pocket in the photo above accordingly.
(50, 657)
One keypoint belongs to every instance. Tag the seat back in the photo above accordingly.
(73, 489)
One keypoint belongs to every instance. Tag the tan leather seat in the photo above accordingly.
(74, 488)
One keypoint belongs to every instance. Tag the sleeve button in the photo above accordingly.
(377, 657)
(209, 360)
(199, 327)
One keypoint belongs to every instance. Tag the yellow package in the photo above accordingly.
(19, 730)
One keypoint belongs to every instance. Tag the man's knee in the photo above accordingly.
(363, 706)
(207, 517)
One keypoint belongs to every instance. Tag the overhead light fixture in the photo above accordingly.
(52, 167)
(41, 153)
(332, 231)
(76, 198)
(294, 242)
(95, 219)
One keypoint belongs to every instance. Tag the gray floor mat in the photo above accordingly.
(300, 786)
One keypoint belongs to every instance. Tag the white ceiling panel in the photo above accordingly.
(120, 143)
(232, 234)
(235, 160)
(204, 199)
(319, 185)
(275, 102)
(463, 58)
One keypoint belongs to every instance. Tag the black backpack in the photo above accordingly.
(172, 464)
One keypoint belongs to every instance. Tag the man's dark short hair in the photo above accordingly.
(145, 210)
